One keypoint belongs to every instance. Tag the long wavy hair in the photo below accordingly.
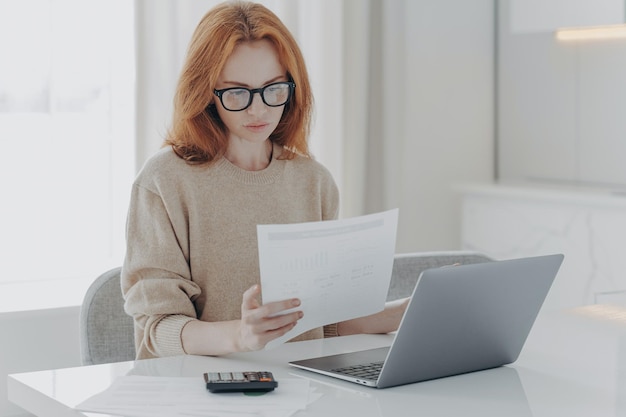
(197, 133)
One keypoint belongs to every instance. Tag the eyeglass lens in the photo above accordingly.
(274, 95)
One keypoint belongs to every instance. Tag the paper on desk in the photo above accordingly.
(340, 269)
(146, 396)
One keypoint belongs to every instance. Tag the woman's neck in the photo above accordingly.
(250, 158)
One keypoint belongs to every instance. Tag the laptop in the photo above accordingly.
(460, 319)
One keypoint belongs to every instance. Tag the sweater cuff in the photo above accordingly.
(330, 330)
(168, 335)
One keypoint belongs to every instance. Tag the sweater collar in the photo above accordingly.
(265, 176)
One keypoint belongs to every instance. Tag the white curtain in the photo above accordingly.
(163, 29)
(403, 92)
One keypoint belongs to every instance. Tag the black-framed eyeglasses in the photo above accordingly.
(240, 98)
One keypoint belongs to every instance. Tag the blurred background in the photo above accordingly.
(487, 130)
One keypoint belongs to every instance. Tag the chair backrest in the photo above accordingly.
(106, 331)
(407, 268)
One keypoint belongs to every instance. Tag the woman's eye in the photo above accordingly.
(238, 92)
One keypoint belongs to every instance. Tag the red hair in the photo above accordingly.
(197, 133)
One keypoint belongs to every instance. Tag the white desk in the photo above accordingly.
(573, 364)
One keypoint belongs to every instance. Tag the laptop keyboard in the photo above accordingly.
(364, 371)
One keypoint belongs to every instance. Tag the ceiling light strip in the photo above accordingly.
(591, 33)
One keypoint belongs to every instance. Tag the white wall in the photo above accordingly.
(450, 123)
(561, 107)
(36, 340)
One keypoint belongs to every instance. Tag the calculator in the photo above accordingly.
(251, 381)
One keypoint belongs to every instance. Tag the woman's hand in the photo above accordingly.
(261, 324)
(385, 321)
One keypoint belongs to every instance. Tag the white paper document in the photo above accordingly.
(148, 396)
(339, 269)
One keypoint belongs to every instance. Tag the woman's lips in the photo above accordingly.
(256, 127)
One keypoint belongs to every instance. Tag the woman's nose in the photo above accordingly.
(257, 105)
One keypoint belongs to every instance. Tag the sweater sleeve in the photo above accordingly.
(156, 279)
(330, 198)
(330, 211)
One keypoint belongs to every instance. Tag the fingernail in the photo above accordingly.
(295, 302)
(300, 314)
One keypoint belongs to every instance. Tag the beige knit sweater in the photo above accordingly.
(192, 243)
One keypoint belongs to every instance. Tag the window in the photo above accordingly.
(66, 131)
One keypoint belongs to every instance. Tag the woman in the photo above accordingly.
(236, 156)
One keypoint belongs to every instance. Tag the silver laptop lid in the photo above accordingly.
(468, 318)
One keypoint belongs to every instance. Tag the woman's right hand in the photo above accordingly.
(262, 323)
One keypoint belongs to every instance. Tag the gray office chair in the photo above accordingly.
(105, 330)
(408, 266)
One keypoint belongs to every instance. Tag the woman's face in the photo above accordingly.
(252, 65)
